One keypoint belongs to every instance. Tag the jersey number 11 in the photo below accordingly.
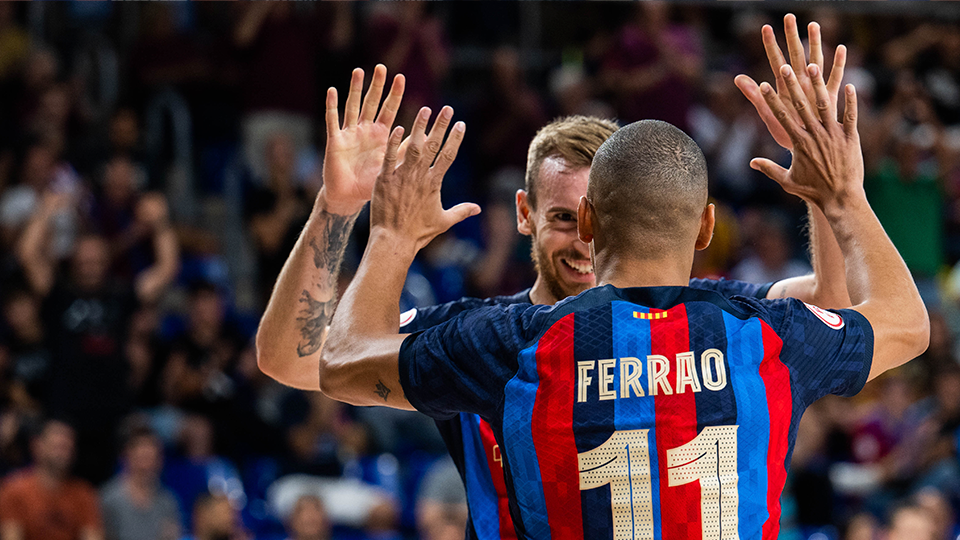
(623, 461)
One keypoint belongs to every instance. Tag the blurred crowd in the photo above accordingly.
(157, 162)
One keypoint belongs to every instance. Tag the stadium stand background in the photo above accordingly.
(132, 120)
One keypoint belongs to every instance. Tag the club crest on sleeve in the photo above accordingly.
(407, 317)
(829, 318)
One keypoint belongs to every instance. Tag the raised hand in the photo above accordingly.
(751, 90)
(356, 148)
(827, 162)
(406, 198)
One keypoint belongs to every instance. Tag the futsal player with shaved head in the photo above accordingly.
(558, 165)
(642, 408)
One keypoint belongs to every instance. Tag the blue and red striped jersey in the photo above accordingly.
(470, 439)
(655, 413)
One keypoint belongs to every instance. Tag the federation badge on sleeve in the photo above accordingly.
(829, 318)
(407, 317)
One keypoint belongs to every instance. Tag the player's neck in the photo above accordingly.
(540, 294)
(630, 272)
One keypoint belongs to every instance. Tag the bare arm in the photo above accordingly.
(269, 229)
(33, 249)
(252, 18)
(294, 326)
(11, 530)
(303, 300)
(826, 287)
(151, 282)
(827, 170)
(360, 363)
(91, 534)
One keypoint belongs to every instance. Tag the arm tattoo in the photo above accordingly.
(382, 390)
(314, 316)
(327, 256)
(337, 232)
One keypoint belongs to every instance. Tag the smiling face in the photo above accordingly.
(562, 260)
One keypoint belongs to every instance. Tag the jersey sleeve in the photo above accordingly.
(464, 363)
(827, 351)
(418, 319)
(732, 287)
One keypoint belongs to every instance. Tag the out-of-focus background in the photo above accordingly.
(158, 160)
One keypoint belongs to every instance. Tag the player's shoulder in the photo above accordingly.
(783, 312)
(732, 287)
(424, 317)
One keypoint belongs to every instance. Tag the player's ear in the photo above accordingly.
(585, 213)
(707, 220)
(523, 213)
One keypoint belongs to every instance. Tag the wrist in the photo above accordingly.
(389, 243)
(839, 205)
(338, 207)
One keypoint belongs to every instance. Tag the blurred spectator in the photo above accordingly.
(87, 316)
(280, 48)
(905, 191)
(938, 507)
(215, 518)
(276, 211)
(41, 70)
(932, 50)
(308, 520)
(653, 66)
(14, 440)
(730, 133)
(862, 527)
(198, 374)
(771, 254)
(37, 179)
(408, 39)
(135, 505)
(884, 425)
(94, 329)
(14, 42)
(45, 502)
(442, 503)
(716, 261)
(127, 217)
(196, 470)
(508, 116)
(122, 140)
(911, 522)
(347, 502)
(926, 455)
(25, 347)
(574, 93)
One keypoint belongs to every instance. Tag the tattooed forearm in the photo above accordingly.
(314, 316)
(328, 248)
(382, 390)
(336, 231)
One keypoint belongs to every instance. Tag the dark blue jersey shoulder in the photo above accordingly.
(464, 364)
(418, 319)
(732, 287)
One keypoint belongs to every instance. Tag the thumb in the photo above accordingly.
(775, 172)
(460, 212)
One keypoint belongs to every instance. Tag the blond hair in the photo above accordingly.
(574, 138)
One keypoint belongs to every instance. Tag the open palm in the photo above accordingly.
(798, 61)
(355, 149)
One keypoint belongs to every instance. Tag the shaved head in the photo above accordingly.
(648, 185)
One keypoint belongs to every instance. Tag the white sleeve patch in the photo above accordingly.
(407, 317)
(829, 318)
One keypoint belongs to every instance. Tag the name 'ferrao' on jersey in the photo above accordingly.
(660, 371)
